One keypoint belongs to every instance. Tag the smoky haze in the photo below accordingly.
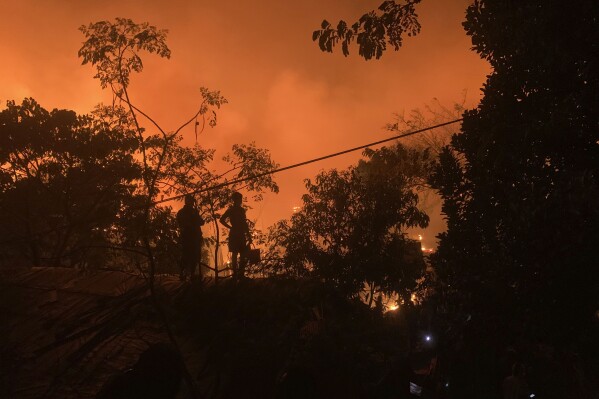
(283, 92)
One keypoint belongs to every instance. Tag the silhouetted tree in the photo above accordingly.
(113, 48)
(65, 178)
(432, 113)
(520, 184)
(373, 31)
(350, 229)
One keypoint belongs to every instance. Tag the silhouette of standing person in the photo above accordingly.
(190, 225)
(239, 235)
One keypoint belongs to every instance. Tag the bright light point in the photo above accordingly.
(393, 307)
(296, 209)
(427, 338)
(532, 395)
(420, 237)
(414, 299)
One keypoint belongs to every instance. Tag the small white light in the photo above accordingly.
(532, 395)
(428, 338)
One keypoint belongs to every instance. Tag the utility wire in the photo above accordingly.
(256, 176)
(297, 165)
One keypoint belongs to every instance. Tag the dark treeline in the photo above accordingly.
(519, 183)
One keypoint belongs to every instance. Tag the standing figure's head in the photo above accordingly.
(237, 198)
(190, 200)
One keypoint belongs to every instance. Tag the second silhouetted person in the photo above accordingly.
(239, 235)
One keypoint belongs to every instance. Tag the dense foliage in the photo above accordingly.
(520, 184)
(373, 31)
(350, 230)
(65, 180)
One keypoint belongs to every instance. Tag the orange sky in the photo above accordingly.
(283, 92)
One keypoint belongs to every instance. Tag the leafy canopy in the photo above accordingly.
(60, 169)
(113, 47)
(373, 31)
(523, 176)
(350, 229)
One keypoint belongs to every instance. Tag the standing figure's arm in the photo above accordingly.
(223, 219)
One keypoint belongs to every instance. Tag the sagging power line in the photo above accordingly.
(297, 165)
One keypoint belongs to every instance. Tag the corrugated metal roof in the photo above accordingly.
(64, 333)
